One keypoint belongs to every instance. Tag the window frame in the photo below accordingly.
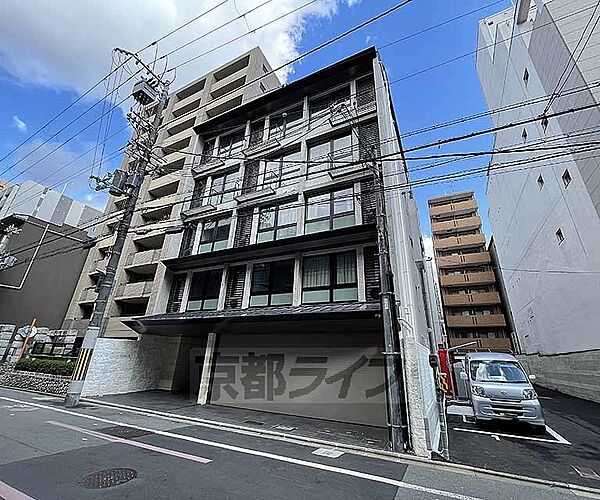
(204, 158)
(274, 270)
(284, 174)
(333, 286)
(213, 241)
(332, 215)
(277, 227)
(216, 198)
(315, 166)
(287, 126)
(328, 97)
(214, 301)
(230, 148)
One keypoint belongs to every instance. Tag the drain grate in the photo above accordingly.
(107, 478)
(124, 432)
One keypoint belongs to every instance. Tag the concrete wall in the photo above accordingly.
(575, 374)
(121, 365)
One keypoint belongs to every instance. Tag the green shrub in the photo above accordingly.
(51, 366)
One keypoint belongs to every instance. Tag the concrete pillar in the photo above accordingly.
(207, 369)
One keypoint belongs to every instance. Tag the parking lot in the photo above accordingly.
(568, 452)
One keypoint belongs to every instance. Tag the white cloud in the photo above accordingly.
(67, 45)
(19, 124)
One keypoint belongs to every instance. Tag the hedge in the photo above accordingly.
(51, 366)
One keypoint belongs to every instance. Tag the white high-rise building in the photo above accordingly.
(536, 60)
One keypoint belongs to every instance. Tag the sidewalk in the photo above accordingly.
(325, 430)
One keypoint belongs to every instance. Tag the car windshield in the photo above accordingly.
(497, 371)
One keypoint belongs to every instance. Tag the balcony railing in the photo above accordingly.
(471, 259)
(88, 294)
(134, 290)
(469, 240)
(480, 278)
(457, 208)
(143, 258)
(453, 225)
(476, 321)
(471, 299)
(98, 266)
(493, 344)
(161, 183)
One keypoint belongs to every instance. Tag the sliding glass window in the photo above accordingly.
(329, 278)
(204, 291)
(272, 283)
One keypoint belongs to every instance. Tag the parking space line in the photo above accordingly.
(7, 492)
(559, 439)
(556, 435)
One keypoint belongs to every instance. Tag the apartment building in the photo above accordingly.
(140, 272)
(544, 211)
(471, 301)
(37, 222)
(269, 266)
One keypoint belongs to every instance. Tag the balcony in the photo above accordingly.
(450, 209)
(481, 278)
(146, 259)
(467, 241)
(98, 267)
(476, 321)
(165, 184)
(128, 291)
(471, 299)
(471, 259)
(456, 225)
(115, 328)
(494, 344)
(105, 242)
(159, 207)
(88, 294)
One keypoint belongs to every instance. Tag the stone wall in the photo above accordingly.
(41, 382)
(122, 365)
(575, 374)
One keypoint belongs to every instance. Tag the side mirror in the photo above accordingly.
(532, 378)
(464, 376)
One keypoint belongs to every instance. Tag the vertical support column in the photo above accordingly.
(209, 354)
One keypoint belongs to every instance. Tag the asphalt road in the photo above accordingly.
(49, 452)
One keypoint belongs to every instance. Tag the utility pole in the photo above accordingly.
(395, 393)
(129, 183)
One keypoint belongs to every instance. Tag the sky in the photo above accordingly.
(50, 55)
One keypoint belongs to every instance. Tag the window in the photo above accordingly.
(215, 235)
(330, 211)
(560, 237)
(566, 178)
(325, 156)
(208, 151)
(276, 223)
(329, 278)
(282, 168)
(257, 132)
(526, 76)
(223, 188)
(272, 284)
(285, 123)
(320, 106)
(231, 144)
(540, 181)
(204, 291)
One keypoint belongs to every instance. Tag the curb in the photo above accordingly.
(371, 452)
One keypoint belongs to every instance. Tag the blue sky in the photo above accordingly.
(34, 92)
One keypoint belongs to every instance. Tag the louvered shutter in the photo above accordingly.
(367, 201)
(198, 193)
(368, 141)
(176, 293)
(365, 92)
(372, 282)
(187, 242)
(235, 287)
(243, 228)
(250, 176)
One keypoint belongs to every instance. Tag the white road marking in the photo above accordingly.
(7, 492)
(273, 456)
(495, 436)
(129, 442)
(556, 435)
(514, 436)
(328, 452)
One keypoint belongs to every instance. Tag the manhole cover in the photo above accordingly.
(107, 478)
(124, 432)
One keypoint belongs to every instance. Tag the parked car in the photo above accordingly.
(499, 389)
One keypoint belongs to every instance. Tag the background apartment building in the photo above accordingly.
(36, 223)
(544, 212)
(472, 305)
(274, 255)
(140, 273)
